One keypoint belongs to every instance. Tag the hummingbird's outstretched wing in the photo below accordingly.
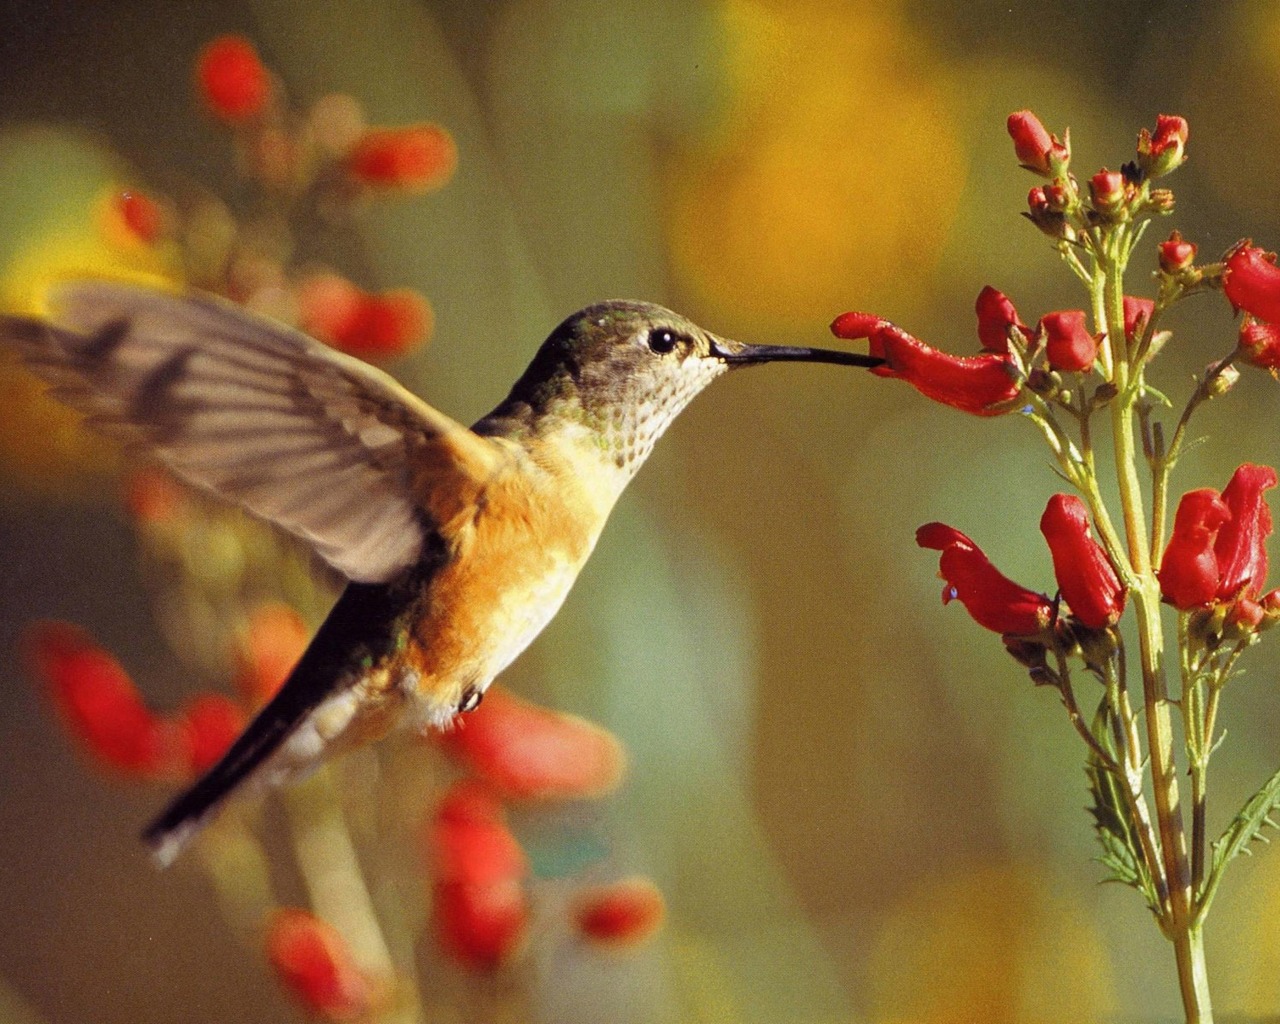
(319, 443)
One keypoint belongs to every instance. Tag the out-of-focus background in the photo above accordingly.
(856, 804)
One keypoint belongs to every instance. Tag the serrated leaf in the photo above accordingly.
(1246, 827)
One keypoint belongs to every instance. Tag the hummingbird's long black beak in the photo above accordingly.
(737, 354)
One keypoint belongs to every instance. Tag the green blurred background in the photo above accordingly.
(857, 805)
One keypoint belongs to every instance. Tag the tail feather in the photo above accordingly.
(359, 626)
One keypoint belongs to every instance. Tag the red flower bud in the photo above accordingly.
(1175, 254)
(982, 385)
(1036, 149)
(1085, 576)
(1189, 569)
(415, 158)
(231, 79)
(99, 705)
(1241, 547)
(1251, 280)
(211, 723)
(1166, 149)
(1108, 190)
(996, 315)
(1137, 314)
(1068, 344)
(1259, 344)
(994, 601)
(620, 914)
(315, 966)
(526, 752)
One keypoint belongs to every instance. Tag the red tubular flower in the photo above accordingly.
(1251, 280)
(1176, 254)
(1259, 344)
(996, 315)
(481, 926)
(1137, 314)
(620, 914)
(1068, 344)
(232, 80)
(994, 601)
(1036, 149)
(211, 723)
(414, 158)
(1085, 576)
(99, 704)
(525, 752)
(1241, 547)
(983, 385)
(1189, 569)
(315, 966)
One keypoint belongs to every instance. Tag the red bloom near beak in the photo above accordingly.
(1085, 576)
(983, 385)
(993, 599)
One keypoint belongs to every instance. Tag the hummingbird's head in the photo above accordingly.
(624, 370)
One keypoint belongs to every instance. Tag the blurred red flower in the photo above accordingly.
(210, 722)
(526, 752)
(376, 327)
(273, 641)
(620, 914)
(415, 158)
(315, 966)
(231, 79)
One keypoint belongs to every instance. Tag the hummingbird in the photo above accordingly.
(458, 545)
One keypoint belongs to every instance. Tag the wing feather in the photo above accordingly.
(321, 444)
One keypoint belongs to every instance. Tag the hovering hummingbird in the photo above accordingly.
(459, 544)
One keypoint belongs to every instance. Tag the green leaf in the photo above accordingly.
(1248, 826)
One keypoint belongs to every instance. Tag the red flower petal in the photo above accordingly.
(994, 601)
(231, 79)
(315, 965)
(983, 385)
(1241, 547)
(417, 157)
(99, 705)
(1259, 344)
(482, 926)
(468, 840)
(620, 914)
(1085, 576)
(1251, 280)
(1189, 569)
(526, 752)
(1069, 346)
(996, 314)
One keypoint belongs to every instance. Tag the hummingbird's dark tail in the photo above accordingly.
(358, 627)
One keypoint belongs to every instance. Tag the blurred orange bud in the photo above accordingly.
(152, 495)
(211, 723)
(99, 705)
(622, 913)
(482, 926)
(231, 79)
(467, 839)
(414, 158)
(141, 214)
(375, 327)
(314, 964)
(271, 645)
(529, 753)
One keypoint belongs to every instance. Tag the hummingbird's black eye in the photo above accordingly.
(471, 698)
(663, 340)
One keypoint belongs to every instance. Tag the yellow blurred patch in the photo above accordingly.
(836, 174)
(991, 944)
